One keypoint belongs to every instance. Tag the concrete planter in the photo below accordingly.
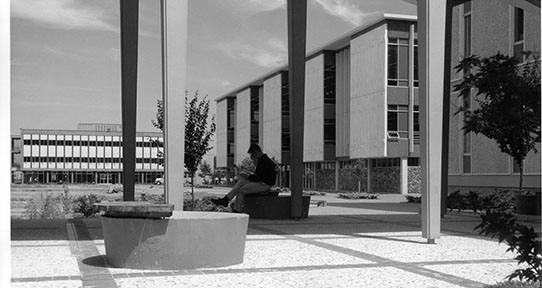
(274, 207)
(184, 241)
(527, 204)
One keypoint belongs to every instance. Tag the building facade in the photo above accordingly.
(361, 128)
(91, 154)
(485, 28)
(361, 112)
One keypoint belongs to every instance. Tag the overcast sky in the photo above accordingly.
(65, 62)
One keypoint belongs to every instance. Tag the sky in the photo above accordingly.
(65, 60)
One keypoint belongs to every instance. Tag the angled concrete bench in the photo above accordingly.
(271, 205)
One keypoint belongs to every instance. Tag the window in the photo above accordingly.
(397, 121)
(385, 162)
(467, 139)
(519, 37)
(398, 61)
(329, 131)
(416, 118)
(416, 80)
(413, 161)
(467, 17)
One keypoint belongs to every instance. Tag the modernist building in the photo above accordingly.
(361, 112)
(361, 126)
(485, 28)
(91, 154)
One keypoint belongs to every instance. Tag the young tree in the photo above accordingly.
(205, 169)
(508, 95)
(197, 132)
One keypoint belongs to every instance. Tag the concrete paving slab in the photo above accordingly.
(348, 243)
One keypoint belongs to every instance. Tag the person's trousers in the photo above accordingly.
(244, 187)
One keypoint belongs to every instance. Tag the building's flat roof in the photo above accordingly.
(83, 132)
(336, 44)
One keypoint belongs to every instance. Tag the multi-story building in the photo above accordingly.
(91, 154)
(484, 28)
(361, 111)
(362, 126)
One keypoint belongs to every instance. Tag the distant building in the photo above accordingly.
(92, 154)
(361, 128)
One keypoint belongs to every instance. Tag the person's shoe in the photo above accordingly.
(221, 201)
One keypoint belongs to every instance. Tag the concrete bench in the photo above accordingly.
(273, 206)
(141, 235)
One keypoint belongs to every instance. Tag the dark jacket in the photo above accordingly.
(266, 171)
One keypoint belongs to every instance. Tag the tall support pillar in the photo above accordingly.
(297, 32)
(174, 41)
(404, 175)
(129, 10)
(432, 30)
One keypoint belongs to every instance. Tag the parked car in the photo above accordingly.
(159, 181)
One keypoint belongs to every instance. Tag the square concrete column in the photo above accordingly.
(432, 18)
(404, 176)
(129, 11)
(297, 32)
(174, 41)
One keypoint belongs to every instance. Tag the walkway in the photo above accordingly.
(360, 243)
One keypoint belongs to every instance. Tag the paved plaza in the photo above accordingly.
(346, 243)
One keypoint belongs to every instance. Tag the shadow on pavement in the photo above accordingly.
(96, 261)
(390, 207)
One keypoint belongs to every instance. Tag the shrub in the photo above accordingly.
(414, 198)
(66, 201)
(358, 195)
(513, 284)
(499, 222)
(153, 198)
(313, 193)
(45, 207)
(204, 204)
(84, 204)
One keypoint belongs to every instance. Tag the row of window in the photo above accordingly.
(88, 160)
(398, 62)
(398, 121)
(394, 162)
(91, 143)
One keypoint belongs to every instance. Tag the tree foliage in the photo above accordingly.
(205, 169)
(198, 130)
(508, 98)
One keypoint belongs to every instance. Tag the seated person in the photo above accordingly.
(260, 182)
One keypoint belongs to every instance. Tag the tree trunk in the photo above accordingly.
(520, 163)
(192, 184)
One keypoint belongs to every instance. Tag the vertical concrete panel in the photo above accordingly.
(343, 103)
(260, 116)
(532, 29)
(431, 29)
(272, 118)
(404, 176)
(489, 27)
(532, 162)
(368, 94)
(455, 143)
(222, 133)
(314, 110)
(242, 125)
(487, 157)
(175, 22)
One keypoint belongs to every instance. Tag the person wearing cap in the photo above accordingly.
(260, 181)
